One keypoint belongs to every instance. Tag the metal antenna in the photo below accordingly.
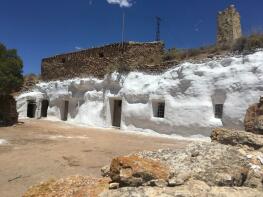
(158, 24)
(123, 29)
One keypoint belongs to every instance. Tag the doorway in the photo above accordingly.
(44, 108)
(31, 109)
(65, 111)
(116, 115)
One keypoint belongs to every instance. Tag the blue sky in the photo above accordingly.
(42, 28)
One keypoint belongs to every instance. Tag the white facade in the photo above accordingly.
(188, 91)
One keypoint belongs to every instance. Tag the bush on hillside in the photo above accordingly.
(183, 54)
(250, 43)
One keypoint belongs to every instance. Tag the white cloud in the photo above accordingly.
(122, 3)
(78, 48)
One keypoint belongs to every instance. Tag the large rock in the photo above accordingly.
(201, 169)
(191, 189)
(235, 137)
(134, 171)
(253, 121)
(213, 163)
(75, 186)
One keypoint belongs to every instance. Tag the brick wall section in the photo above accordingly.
(100, 61)
(8, 113)
(228, 26)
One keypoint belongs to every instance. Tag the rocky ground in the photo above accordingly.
(41, 150)
(231, 165)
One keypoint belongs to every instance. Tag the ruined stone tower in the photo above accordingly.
(228, 26)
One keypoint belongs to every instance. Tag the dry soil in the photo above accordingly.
(39, 150)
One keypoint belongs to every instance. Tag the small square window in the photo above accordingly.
(219, 111)
(101, 55)
(158, 109)
(63, 60)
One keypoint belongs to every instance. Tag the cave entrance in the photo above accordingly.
(116, 113)
(31, 109)
(44, 107)
(65, 111)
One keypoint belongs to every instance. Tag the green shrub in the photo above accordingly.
(11, 78)
(250, 43)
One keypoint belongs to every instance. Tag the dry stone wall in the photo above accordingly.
(99, 61)
(228, 26)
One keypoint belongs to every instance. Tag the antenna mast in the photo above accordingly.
(158, 24)
(123, 28)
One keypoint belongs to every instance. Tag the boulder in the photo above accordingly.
(135, 171)
(253, 121)
(74, 186)
(235, 137)
(193, 188)
(213, 163)
(231, 167)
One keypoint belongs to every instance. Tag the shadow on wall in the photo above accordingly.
(162, 126)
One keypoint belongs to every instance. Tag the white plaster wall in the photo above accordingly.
(189, 91)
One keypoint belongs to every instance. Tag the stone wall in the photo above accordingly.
(228, 26)
(8, 113)
(100, 61)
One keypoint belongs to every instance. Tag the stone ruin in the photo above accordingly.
(8, 113)
(144, 56)
(228, 26)
(99, 61)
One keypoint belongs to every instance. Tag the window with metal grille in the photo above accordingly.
(160, 110)
(219, 111)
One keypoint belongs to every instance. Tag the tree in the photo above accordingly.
(11, 78)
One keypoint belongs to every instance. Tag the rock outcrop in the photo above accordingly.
(254, 118)
(231, 165)
(134, 171)
(235, 137)
(190, 189)
(77, 186)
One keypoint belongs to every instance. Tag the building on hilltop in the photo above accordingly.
(99, 61)
(228, 26)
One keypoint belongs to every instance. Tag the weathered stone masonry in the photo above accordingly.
(99, 61)
(228, 26)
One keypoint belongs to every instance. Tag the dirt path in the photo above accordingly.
(39, 150)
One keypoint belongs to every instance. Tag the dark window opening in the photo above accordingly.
(158, 109)
(63, 60)
(219, 111)
(101, 55)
